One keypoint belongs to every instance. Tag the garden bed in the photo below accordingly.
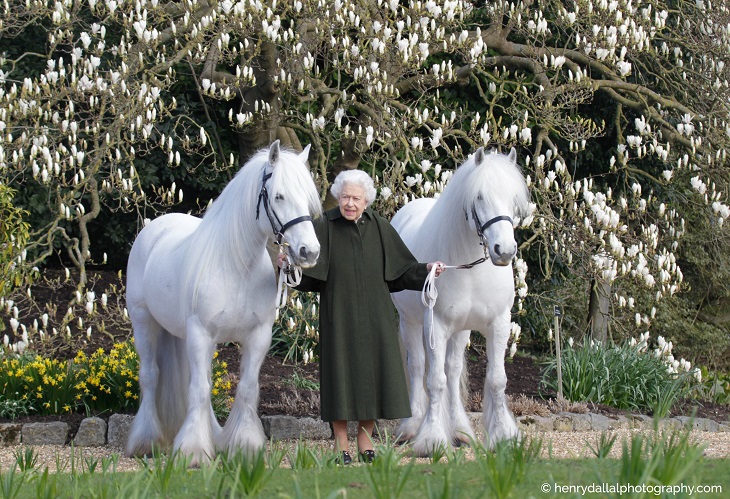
(291, 389)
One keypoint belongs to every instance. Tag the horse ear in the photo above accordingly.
(304, 155)
(513, 155)
(479, 156)
(274, 151)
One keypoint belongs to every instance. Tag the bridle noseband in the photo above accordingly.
(273, 218)
(482, 227)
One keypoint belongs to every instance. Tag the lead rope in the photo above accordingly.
(289, 274)
(428, 298)
(429, 293)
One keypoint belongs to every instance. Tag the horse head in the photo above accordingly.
(492, 209)
(288, 197)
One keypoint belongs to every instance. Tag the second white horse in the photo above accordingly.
(472, 219)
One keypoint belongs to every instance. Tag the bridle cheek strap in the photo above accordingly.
(289, 275)
(273, 218)
(263, 197)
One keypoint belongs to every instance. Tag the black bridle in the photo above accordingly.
(273, 218)
(481, 227)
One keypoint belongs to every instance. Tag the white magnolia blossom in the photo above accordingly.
(627, 237)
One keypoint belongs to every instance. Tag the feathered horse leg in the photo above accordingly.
(499, 424)
(433, 432)
(146, 430)
(411, 335)
(461, 430)
(243, 429)
(195, 438)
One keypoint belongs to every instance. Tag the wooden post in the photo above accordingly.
(557, 315)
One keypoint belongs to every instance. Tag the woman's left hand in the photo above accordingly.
(280, 259)
(440, 267)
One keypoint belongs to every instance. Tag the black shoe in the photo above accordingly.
(345, 459)
(367, 456)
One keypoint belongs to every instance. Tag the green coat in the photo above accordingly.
(360, 264)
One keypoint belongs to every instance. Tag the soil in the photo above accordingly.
(277, 386)
(285, 388)
(523, 380)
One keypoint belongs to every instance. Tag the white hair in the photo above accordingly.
(354, 177)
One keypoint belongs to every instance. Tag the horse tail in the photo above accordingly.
(464, 380)
(404, 358)
(174, 378)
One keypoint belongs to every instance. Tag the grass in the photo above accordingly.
(424, 480)
(301, 382)
(656, 462)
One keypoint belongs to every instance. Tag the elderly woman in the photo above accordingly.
(362, 260)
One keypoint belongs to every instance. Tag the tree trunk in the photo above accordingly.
(598, 308)
(264, 130)
(349, 160)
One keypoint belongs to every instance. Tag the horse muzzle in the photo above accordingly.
(305, 257)
(502, 254)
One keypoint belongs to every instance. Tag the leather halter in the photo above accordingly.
(273, 218)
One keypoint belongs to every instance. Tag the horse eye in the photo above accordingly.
(480, 197)
(279, 197)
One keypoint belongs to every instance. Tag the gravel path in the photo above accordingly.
(555, 444)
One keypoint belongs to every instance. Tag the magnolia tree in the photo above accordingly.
(619, 112)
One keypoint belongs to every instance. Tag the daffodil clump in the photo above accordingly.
(44, 386)
(222, 387)
(108, 382)
(96, 383)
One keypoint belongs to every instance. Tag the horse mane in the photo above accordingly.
(497, 178)
(226, 237)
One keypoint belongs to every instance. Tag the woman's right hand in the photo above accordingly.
(440, 267)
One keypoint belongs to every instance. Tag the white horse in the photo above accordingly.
(472, 218)
(193, 283)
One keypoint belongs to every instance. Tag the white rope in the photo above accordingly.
(289, 274)
(428, 298)
(430, 293)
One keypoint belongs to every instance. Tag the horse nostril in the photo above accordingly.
(303, 252)
(496, 249)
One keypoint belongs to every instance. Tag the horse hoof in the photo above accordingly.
(461, 439)
(429, 451)
(143, 451)
(404, 439)
(421, 453)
